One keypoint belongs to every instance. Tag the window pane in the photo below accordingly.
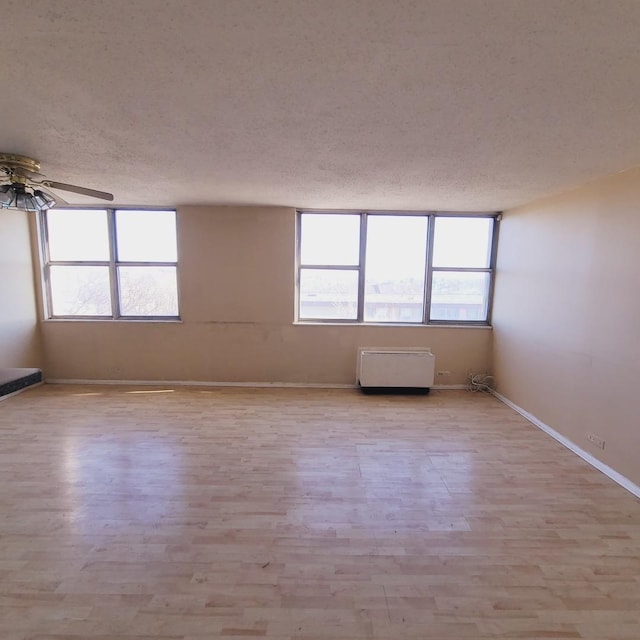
(395, 268)
(460, 296)
(330, 239)
(80, 291)
(146, 236)
(328, 294)
(78, 234)
(462, 242)
(148, 291)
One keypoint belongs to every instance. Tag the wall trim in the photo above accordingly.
(206, 383)
(614, 475)
(450, 387)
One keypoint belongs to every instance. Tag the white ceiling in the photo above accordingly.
(381, 104)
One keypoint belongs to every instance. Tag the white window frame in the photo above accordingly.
(113, 263)
(429, 270)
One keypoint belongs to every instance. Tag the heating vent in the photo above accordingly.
(14, 380)
(392, 368)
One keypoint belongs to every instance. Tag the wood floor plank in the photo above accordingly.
(193, 513)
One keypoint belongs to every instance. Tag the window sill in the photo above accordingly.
(119, 320)
(432, 325)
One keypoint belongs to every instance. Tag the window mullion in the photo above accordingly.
(44, 248)
(133, 263)
(464, 269)
(113, 271)
(298, 231)
(362, 265)
(492, 264)
(428, 279)
(79, 263)
(324, 267)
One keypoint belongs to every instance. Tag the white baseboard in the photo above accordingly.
(449, 387)
(260, 385)
(623, 481)
(204, 383)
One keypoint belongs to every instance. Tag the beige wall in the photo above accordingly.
(237, 301)
(19, 333)
(567, 316)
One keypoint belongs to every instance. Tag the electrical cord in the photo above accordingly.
(481, 382)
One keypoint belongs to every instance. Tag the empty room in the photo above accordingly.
(319, 319)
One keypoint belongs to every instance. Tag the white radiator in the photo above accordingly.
(392, 367)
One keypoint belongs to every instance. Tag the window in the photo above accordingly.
(329, 291)
(461, 269)
(110, 263)
(414, 268)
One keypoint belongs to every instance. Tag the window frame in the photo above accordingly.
(113, 264)
(429, 268)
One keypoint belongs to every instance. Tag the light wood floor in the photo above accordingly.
(310, 514)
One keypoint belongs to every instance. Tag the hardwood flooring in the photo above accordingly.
(191, 513)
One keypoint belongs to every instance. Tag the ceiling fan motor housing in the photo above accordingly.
(23, 163)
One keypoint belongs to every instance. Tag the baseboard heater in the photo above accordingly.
(12, 380)
(393, 370)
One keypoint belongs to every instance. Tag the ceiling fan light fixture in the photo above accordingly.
(24, 201)
(6, 195)
(16, 196)
(43, 201)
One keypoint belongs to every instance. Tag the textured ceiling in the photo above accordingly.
(425, 104)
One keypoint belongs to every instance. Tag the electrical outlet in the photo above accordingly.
(594, 439)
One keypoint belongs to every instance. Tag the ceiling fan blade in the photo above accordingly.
(103, 195)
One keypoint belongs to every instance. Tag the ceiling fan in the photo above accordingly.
(23, 187)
